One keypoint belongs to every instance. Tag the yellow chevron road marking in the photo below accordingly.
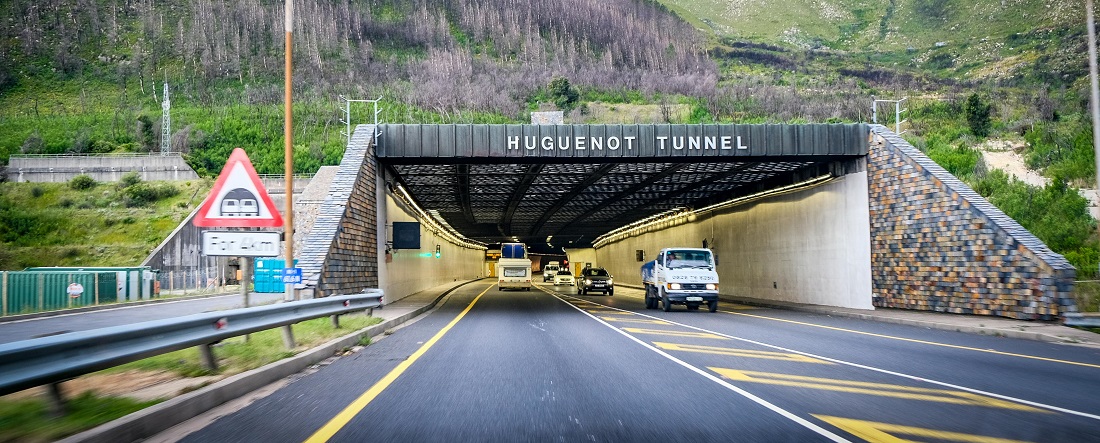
(674, 333)
(875, 432)
(869, 388)
(740, 353)
(635, 320)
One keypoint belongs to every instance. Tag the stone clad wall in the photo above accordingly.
(936, 245)
(340, 255)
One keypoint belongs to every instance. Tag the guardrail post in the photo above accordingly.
(335, 321)
(208, 359)
(288, 337)
(56, 399)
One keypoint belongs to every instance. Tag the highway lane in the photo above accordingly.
(535, 366)
(16, 330)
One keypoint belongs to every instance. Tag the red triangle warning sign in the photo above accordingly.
(238, 198)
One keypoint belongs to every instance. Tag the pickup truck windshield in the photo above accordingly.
(690, 259)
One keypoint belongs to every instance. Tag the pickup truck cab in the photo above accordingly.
(681, 276)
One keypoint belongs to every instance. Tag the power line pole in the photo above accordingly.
(166, 122)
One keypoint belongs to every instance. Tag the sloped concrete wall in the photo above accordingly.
(936, 245)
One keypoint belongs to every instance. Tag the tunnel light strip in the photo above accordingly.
(685, 214)
(443, 229)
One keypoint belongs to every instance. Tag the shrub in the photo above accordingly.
(977, 115)
(82, 182)
(141, 194)
(37, 191)
(960, 161)
(129, 179)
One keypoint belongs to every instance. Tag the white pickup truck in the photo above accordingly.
(681, 276)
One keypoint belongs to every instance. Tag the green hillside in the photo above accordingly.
(967, 40)
(95, 224)
(87, 77)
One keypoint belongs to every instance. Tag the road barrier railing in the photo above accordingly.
(54, 359)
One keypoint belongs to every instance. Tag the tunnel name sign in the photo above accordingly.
(614, 143)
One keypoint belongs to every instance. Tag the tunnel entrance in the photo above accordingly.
(565, 185)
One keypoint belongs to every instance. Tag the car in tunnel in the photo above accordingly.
(564, 278)
(596, 279)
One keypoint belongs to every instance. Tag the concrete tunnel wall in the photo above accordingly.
(406, 271)
(810, 246)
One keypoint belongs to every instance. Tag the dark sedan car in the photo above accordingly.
(596, 279)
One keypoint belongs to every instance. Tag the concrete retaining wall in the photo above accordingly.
(104, 168)
(939, 246)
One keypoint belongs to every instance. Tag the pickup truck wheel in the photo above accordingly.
(712, 305)
(666, 304)
(610, 292)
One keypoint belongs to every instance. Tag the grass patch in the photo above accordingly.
(236, 355)
(28, 419)
(1087, 294)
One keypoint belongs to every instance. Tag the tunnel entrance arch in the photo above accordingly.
(577, 182)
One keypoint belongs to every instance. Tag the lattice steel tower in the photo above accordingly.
(166, 124)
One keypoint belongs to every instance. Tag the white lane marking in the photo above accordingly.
(711, 377)
(870, 368)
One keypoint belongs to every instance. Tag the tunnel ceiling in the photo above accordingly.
(493, 183)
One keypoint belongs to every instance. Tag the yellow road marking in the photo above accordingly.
(636, 320)
(674, 333)
(913, 340)
(875, 432)
(340, 420)
(740, 352)
(879, 389)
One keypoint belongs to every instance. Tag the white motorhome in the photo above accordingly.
(514, 268)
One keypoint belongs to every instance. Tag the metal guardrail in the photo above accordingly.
(49, 360)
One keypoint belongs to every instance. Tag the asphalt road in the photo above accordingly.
(11, 331)
(552, 366)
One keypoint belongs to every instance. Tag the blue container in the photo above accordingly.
(267, 275)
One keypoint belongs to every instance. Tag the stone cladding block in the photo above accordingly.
(937, 245)
(340, 255)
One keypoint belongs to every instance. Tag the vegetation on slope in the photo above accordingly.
(84, 223)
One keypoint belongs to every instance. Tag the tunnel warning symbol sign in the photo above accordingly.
(238, 198)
